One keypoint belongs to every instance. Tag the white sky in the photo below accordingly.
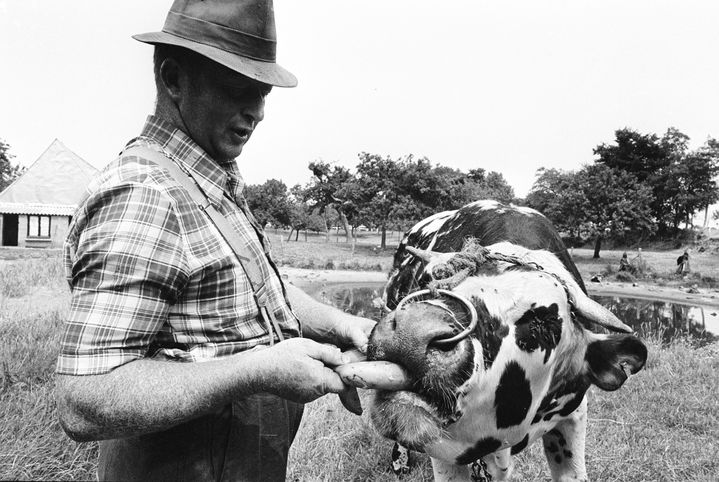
(509, 86)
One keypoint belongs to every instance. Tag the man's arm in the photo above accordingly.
(327, 324)
(147, 396)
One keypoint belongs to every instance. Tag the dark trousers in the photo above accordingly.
(248, 440)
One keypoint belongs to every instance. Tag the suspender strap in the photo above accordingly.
(228, 233)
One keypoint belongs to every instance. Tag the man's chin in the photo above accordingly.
(228, 154)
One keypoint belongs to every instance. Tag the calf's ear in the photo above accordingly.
(610, 357)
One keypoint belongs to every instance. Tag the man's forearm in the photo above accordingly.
(322, 322)
(146, 395)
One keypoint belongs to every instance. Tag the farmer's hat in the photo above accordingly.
(239, 34)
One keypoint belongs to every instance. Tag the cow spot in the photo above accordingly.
(513, 396)
(550, 407)
(539, 327)
(520, 446)
(568, 407)
(483, 447)
(490, 332)
(555, 443)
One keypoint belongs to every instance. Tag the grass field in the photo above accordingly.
(662, 425)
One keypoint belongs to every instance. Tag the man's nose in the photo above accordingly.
(404, 336)
(255, 108)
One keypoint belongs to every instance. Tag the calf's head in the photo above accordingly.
(530, 357)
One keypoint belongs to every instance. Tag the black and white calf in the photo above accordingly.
(523, 372)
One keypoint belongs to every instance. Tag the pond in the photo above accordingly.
(649, 318)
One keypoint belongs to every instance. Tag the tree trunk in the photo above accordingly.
(597, 246)
(289, 238)
(327, 226)
(383, 244)
(706, 219)
(345, 225)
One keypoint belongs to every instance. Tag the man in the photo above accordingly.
(683, 263)
(162, 357)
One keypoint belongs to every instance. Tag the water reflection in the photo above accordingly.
(358, 299)
(666, 320)
(662, 319)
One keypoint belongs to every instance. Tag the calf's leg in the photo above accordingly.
(447, 472)
(564, 447)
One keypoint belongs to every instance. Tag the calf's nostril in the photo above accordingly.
(444, 343)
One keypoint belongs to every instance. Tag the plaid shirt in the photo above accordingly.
(149, 273)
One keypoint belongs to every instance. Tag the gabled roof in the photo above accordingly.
(52, 185)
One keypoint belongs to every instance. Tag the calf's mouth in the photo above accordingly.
(406, 337)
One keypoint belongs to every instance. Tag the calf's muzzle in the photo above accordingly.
(405, 335)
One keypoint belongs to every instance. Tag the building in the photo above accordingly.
(36, 209)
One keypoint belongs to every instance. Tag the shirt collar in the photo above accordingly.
(209, 174)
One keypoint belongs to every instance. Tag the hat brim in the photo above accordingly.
(266, 72)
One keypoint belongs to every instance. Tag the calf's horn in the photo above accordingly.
(420, 253)
(598, 314)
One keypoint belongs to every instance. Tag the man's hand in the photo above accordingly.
(354, 331)
(300, 369)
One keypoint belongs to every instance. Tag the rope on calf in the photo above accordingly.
(469, 261)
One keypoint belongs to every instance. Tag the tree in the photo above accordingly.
(682, 181)
(640, 154)
(615, 204)
(8, 172)
(301, 214)
(489, 185)
(556, 194)
(690, 184)
(269, 202)
(326, 193)
(442, 188)
(381, 192)
(596, 201)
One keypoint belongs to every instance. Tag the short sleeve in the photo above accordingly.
(126, 266)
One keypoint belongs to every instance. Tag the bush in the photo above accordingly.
(626, 277)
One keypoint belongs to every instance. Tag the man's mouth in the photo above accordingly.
(241, 134)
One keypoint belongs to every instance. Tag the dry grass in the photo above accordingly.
(32, 444)
(319, 253)
(660, 266)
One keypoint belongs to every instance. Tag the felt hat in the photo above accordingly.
(239, 34)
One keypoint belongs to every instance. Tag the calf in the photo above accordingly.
(487, 390)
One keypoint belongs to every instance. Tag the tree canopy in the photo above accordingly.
(269, 202)
(682, 181)
(640, 185)
(380, 192)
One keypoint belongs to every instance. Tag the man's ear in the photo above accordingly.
(171, 74)
(608, 358)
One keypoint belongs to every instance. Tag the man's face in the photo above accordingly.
(221, 108)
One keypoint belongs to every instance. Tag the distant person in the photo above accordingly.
(683, 263)
(184, 353)
(626, 265)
